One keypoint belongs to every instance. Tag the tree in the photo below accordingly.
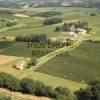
(9, 82)
(66, 27)
(32, 62)
(62, 91)
(83, 94)
(91, 93)
(27, 86)
(11, 23)
(58, 29)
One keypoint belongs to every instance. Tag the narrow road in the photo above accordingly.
(53, 54)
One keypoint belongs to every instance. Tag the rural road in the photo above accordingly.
(53, 54)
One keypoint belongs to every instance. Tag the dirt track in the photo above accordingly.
(20, 96)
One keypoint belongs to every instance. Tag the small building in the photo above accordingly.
(21, 65)
(73, 34)
(82, 31)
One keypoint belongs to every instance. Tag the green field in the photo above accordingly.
(20, 49)
(70, 71)
(81, 65)
(33, 25)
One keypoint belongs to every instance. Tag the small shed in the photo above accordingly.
(21, 65)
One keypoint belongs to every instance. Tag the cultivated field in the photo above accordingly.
(82, 64)
(72, 71)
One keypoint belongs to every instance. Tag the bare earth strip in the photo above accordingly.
(6, 59)
(20, 96)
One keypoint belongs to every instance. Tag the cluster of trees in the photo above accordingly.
(28, 86)
(91, 93)
(32, 62)
(11, 23)
(5, 12)
(67, 26)
(48, 14)
(51, 21)
(33, 38)
(93, 14)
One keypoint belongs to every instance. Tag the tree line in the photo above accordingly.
(92, 92)
(37, 88)
(29, 86)
(32, 38)
(48, 14)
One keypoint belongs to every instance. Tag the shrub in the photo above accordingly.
(64, 97)
(11, 23)
(32, 62)
(93, 14)
(51, 21)
(58, 29)
(62, 91)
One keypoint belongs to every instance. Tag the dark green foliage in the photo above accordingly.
(32, 38)
(9, 82)
(62, 91)
(27, 86)
(64, 97)
(32, 62)
(83, 94)
(67, 26)
(80, 24)
(93, 14)
(91, 93)
(48, 14)
(11, 23)
(51, 21)
(58, 29)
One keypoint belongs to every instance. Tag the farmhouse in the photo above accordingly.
(21, 65)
